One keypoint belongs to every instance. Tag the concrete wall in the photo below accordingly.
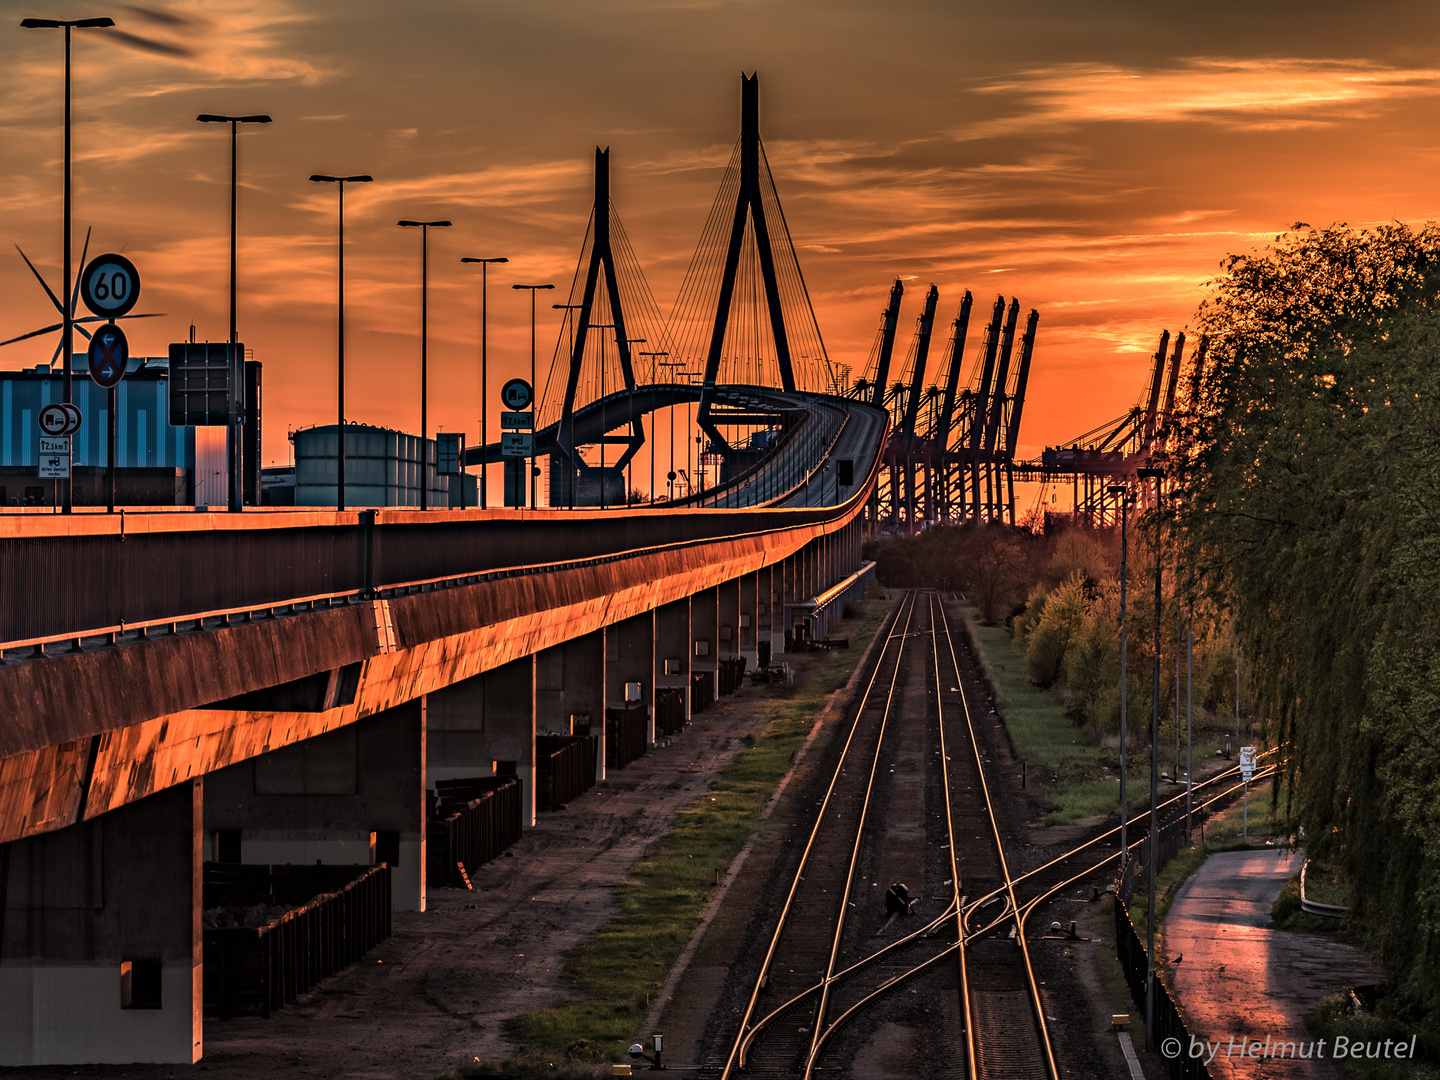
(476, 723)
(672, 646)
(320, 800)
(80, 902)
(570, 691)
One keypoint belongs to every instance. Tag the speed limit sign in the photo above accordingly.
(110, 286)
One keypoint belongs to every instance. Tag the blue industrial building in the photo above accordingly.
(156, 463)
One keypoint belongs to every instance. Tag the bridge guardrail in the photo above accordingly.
(63, 586)
(70, 577)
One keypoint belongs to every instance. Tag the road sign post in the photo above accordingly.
(109, 357)
(517, 443)
(58, 421)
(1247, 771)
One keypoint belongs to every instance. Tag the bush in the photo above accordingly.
(1060, 624)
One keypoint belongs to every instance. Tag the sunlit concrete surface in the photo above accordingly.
(1239, 978)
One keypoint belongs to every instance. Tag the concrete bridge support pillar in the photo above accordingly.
(353, 796)
(101, 938)
(728, 614)
(705, 639)
(770, 607)
(570, 691)
(747, 630)
(674, 651)
(630, 667)
(786, 587)
(485, 724)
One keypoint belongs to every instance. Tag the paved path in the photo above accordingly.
(1240, 978)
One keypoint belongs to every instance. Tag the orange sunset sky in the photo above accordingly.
(1097, 161)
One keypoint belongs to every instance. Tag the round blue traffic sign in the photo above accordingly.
(109, 353)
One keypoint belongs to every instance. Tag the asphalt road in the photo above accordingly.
(1241, 979)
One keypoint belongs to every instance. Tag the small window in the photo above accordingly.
(227, 845)
(386, 846)
(672, 665)
(140, 984)
(702, 647)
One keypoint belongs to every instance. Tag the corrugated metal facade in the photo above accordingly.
(143, 437)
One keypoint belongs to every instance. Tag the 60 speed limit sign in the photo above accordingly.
(110, 286)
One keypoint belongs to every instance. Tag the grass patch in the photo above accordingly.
(624, 965)
(1042, 734)
(1324, 884)
(1167, 884)
(1071, 773)
(1230, 831)
(1333, 1020)
(1289, 915)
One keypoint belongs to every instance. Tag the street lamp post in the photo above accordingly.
(67, 314)
(629, 478)
(237, 363)
(484, 363)
(574, 466)
(535, 397)
(670, 475)
(601, 350)
(1157, 475)
(654, 361)
(424, 227)
(1125, 499)
(340, 182)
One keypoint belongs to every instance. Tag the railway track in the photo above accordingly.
(908, 795)
(909, 799)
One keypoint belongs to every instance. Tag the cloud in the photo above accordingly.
(150, 45)
(1256, 95)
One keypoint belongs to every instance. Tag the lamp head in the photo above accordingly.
(250, 118)
(424, 224)
(322, 178)
(55, 24)
(468, 259)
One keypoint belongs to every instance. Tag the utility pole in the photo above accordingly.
(1157, 475)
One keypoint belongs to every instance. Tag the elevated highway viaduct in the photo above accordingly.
(289, 685)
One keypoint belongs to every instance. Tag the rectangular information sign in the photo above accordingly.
(517, 420)
(201, 375)
(1247, 762)
(449, 450)
(54, 457)
(516, 443)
